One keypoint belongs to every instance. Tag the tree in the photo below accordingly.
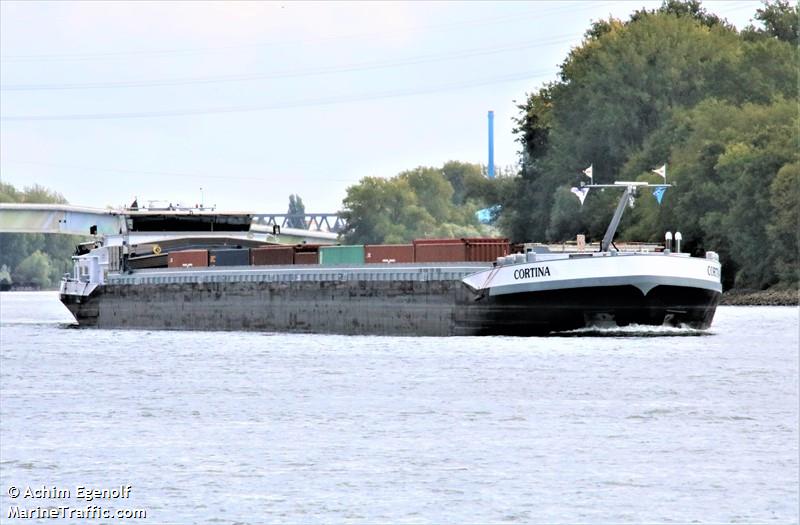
(15, 247)
(467, 181)
(9, 193)
(34, 270)
(681, 86)
(724, 161)
(781, 20)
(297, 211)
(433, 192)
(383, 211)
(784, 229)
(417, 203)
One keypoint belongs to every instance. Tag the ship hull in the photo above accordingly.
(402, 308)
(544, 312)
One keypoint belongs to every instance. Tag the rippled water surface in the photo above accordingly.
(633, 426)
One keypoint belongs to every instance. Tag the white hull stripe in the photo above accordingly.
(643, 282)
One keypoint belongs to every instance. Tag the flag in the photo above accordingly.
(661, 171)
(658, 193)
(580, 193)
(488, 215)
(588, 173)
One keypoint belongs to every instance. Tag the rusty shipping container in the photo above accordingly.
(272, 255)
(188, 259)
(306, 258)
(443, 252)
(388, 253)
(486, 249)
(438, 241)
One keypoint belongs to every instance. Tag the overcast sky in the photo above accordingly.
(104, 101)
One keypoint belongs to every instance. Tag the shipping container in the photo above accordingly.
(188, 259)
(388, 253)
(443, 252)
(148, 261)
(306, 258)
(229, 257)
(485, 239)
(272, 255)
(308, 247)
(340, 255)
(438, 241)
(486, 249)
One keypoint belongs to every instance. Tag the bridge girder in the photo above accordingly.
(77, 220)
(58, 218)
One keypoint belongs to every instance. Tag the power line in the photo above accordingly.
(575, 6)
(363, 66)
(148, 172)
(284, 105)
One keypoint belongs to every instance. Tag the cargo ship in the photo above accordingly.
(196, 271)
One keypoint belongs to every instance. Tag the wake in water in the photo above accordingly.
(635, 330)
(60, 323)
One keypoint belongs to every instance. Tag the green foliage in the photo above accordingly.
(468, 182)
(724, 161)
(34, 270)
(681, 86)
(780, 20)
(9, 194)
(423, 202)
(296, 207)
(15, 248)
(784, 229)
(690, 9)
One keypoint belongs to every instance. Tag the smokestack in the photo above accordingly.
(678, 239)
(668, 241)
(491, 145)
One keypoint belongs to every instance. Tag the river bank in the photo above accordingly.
(761, 298)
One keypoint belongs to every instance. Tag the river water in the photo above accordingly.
(627, 426)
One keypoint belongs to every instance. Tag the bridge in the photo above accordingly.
(331, 222)
(80, 220)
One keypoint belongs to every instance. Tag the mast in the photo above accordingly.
(627, 198)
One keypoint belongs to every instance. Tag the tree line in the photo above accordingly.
(422, 202)
(675, 85)
(34, 260)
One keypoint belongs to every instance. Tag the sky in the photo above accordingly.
(240, 104)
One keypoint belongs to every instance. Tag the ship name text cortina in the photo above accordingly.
(536, 271)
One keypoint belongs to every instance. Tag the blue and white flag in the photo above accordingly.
(580, 193)
(658, 193)
(488, 215)
(588, 173)
(661, 171)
